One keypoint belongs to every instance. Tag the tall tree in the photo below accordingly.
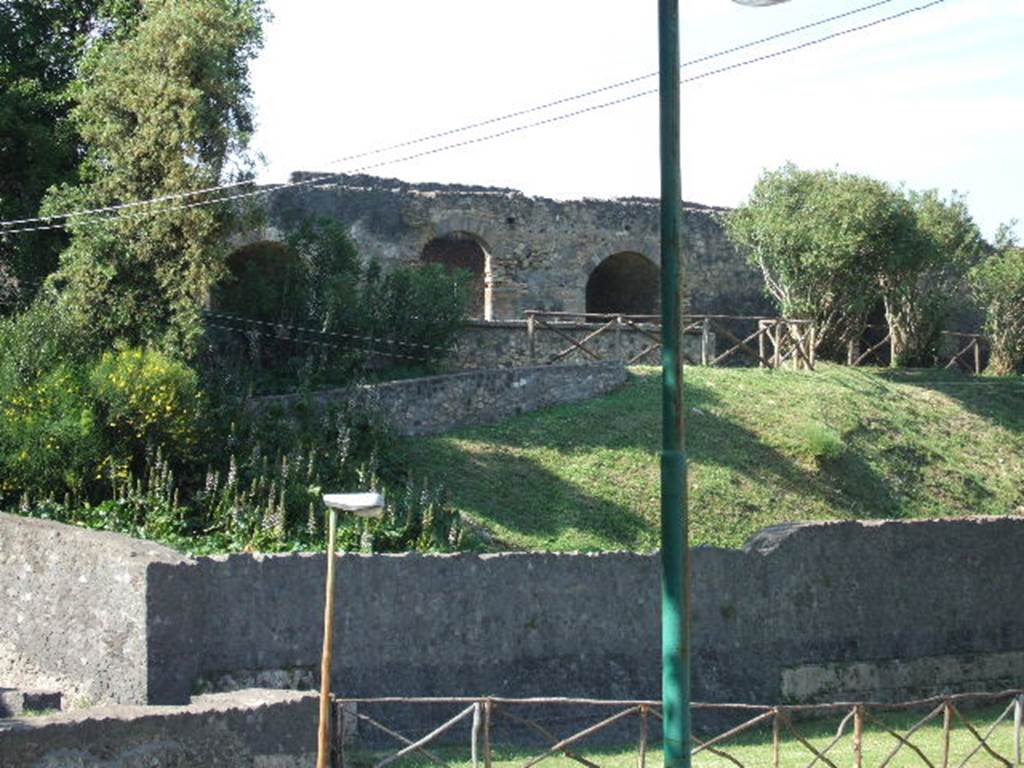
(998, 284)
(820, 239)
(922, 277)
(41, 45)
(162, 110)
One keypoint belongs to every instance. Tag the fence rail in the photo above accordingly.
(969, 355)
(774, 342)
(777, 736)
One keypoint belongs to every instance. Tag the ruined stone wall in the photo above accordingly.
(507, 343)
(540, 252)
(829, 611)
(257, 729)
(434, 404)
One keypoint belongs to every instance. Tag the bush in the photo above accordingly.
(145, 401)
(819, 442)
(415, 311)
(998, 284)
(49, 441)
(323, 317)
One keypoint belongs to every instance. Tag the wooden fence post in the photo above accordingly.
(762, 325)
(531, 335)
(852, 351)
(618, 338)
(977, 356)
(812, 355)
(777, 340)
(858, 736)
(474, 738)
(705, 341)
(776, 739)
(947, 723)
(643, 737)
(488, 705)
(1018, 724)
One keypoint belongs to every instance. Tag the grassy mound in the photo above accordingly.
(764, 447)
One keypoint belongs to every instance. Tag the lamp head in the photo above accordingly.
(361, 504)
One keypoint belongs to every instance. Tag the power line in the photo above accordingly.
(313, 343)
(449, 132)
(331, 180)
(224, 316)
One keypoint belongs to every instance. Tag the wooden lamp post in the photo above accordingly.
(363, 505)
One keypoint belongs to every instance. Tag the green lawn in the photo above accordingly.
(764, 446)
(754, 749)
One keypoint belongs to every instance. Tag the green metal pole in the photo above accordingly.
(675, 598)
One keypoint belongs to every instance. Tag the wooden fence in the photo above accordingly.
(783, 730)
(969, 355)
(774, 342)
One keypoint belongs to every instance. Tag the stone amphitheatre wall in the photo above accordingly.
(526, 252)
(807, 612)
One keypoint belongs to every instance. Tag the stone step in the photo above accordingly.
(15, 702)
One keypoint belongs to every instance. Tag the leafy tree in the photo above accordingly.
(922, 277)
(41, 45)
(833, 245)
(820, 239)
(161, 110)
(998, 284)
(416, 311)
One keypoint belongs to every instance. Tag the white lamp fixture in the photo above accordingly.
(360, 504)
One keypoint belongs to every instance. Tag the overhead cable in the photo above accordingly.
(331, 180)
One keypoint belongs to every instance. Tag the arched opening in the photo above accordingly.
(266, 281)
(626, 283)
(463, 251)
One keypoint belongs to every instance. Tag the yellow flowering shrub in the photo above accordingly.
(49, 440)
(147, 400)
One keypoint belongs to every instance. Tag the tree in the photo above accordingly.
(161, 110)
(998, 284)
(820, 239)
(922, 277)
(41, 45)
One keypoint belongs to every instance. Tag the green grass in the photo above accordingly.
(765, 447)
(754, 748)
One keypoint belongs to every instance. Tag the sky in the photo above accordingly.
(934, 99)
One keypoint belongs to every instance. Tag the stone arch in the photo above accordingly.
(626, 282)
(266, 281)
(466, 251)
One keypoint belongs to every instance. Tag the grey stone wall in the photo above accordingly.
(248, 729)
(435, 404)
(494, 344)
(540, 251)
(806, 612)
(73, 610)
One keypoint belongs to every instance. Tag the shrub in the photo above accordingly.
(49, 440)
(36, 341)
(998, 285)
(146, 400)
(415, 311)
(819, 442)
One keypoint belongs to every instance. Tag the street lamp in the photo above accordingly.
(675, 564)
(361, 505)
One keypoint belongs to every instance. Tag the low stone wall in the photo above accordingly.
(248, 729)
(73, 615)
(435, 404)
(507, 343)
(807, 612)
